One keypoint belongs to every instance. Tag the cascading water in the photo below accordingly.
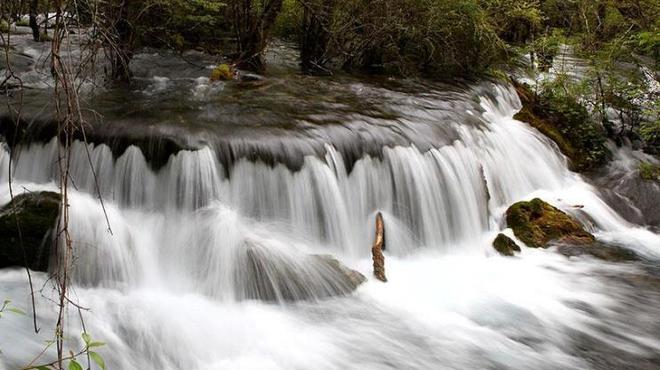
(198, 244)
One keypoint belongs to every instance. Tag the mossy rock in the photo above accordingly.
(505, 246)
(536, 223)
(26, 225)
(223, 72)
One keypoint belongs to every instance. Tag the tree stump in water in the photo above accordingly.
(377, 249)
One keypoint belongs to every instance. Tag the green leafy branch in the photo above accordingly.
(72, 358)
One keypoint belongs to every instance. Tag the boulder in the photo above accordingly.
(606, 252)
(505, 246)
(354, 277)
(540, 225)
(26, 230)
(267, 274)
(537, 223)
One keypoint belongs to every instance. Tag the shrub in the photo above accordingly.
(649, 171)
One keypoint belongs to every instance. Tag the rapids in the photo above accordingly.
(170, 287)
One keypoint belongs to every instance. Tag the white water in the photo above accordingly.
(168, 288)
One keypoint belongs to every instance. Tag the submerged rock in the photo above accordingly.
(612, 253)
(269, 275)
(249, 77)
(505, 246)
(353, 276)
(26, 225)
(536, 223)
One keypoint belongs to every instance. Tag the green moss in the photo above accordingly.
(223, 72)
(649, 171)
(536, 223)
(25, 227)
(505, 246)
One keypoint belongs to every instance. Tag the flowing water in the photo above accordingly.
(173, 285)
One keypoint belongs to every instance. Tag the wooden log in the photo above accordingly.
(377, 249)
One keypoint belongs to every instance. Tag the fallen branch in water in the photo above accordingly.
(377, 249)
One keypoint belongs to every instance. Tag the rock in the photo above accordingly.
(505, 246)
(353, 276)
(249, 77)
(536, 223)
(612, 253)
(223, 72)
(266, 274)
(540, 225)
(36, 215)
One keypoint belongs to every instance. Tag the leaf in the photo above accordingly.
(95, 344)
(98, 359)
(16, 310)
(74, 365)
(86, 338)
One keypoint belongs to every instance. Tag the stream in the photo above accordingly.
(198, 177)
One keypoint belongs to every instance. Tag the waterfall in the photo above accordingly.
(213, 232)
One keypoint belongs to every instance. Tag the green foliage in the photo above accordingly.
(574, 122)
(514, 20)
(4, 26)
(7, 307)
(546, 48)
(649, 171)
(72, 358)
(288, 24)
(178, 24)
(223, 72)
(442, 38)
(648, 43)
(650, 133)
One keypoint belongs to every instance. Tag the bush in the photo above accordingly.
(180, 24)
(649, 171)
(574, 123)
(288, 24)
(650, 132)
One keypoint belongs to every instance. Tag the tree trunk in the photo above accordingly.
(123, 50)
(253, 30)
(34, 25)
(378, 248)
(317, 18)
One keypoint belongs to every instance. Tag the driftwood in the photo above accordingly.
(377, 249)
